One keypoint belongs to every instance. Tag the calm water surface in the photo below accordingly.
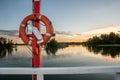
(72, 56)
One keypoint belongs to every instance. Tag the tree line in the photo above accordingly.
(111, 38)
(5, 43)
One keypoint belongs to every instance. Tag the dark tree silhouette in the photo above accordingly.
(51, 47)
(6, 46)
(111, 38)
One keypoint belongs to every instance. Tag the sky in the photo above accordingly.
(75, 16)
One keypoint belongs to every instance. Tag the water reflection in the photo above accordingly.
(51, 47)
(113, 51)
(51, 50)
(4, 51)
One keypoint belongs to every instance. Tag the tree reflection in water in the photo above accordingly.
(113, 51)
(3, 52)
(6, 50)
(6, 47)
(51, 47)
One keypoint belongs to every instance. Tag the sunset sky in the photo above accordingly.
(66, 15)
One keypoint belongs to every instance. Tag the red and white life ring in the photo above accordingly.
(36, 17)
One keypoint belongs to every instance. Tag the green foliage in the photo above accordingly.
(6, 46)
(111, 38)
(51, 47)
(5, 42)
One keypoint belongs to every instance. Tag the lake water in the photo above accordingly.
(71, 56)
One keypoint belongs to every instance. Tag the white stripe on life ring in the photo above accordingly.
(40, 16)
(22, 25)
(40, 41)
(48, 34)
(29, 42)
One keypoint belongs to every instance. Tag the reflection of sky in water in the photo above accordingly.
(79, 56)
(72, 56)
(66, 57)
(69, 56)
(82, 51)
(22, 52)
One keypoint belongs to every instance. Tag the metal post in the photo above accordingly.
(36, 60)
(40, 77)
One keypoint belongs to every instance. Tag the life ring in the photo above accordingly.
(36, 17)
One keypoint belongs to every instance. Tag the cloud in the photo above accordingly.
(64, 33)
(62, 36)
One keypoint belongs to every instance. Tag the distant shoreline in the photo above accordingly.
(109, 45)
